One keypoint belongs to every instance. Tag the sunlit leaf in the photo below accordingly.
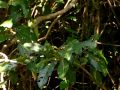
(72, 18)
(28, 48)
(7, 24)
(67, 53)
(7, 67)
(71, 47)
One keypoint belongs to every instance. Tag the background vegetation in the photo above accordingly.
(59, 44)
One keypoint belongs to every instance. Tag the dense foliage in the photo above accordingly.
(59, 44)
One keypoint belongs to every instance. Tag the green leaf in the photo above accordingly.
(3, 4)
(7, 67)
(15, 16)
(73, 46)
(71, 75)
(63, 84)
(59, 1)
(25, 34)
(13, 77)
(89, 44)
(23, 51)
(2, 37)
(62, 69)
(72, 18)
(94, 63)
(98, 61)
(71, 30)
(44, 73)
(28, 48)
(67, 53)
(97, 77)
(103, 67)
(7, 24)
(83, 60)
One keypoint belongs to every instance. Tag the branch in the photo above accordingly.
(106, 44)
(53, 23)
(53, 15)
(6, 58)
(45, 37)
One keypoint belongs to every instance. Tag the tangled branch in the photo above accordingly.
(54, 15)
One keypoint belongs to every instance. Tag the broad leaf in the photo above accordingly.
(62, 69)
(44, 73)
(71, 47)
(98, 61)
(7, 24)
(89, 44)
(25, 34)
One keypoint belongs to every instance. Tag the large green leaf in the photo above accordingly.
(74, 46)
(70, 48)
(89, 44)
(67, 53)
(7, 24)
(62, 69)
(98, 61)
(28, 49)
(25, 34)
(44, 73)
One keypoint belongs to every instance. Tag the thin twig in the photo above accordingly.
(53, 15)
(49, 30)
(53, 23)
(106, 44)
